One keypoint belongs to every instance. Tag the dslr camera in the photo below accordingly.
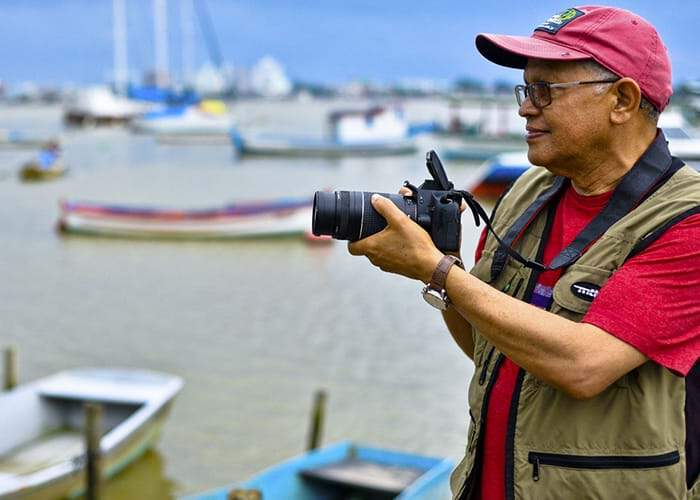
(434, 205)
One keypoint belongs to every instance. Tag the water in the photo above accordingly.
(253, 327)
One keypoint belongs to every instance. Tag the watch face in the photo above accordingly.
(434, 298)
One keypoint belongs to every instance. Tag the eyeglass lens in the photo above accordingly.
(538, 92)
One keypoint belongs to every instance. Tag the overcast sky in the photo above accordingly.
(70, 41)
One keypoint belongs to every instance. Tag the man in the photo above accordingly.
(586, 381)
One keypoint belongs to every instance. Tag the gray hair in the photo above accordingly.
(602, 73)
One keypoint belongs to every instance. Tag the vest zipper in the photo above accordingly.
(513, 412)
(467, 489)
(600, 462)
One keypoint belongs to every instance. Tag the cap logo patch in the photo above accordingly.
(584, 290)
(558, 21)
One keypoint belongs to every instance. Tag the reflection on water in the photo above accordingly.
(144, 479)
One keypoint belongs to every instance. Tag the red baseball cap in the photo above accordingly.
(618, 39)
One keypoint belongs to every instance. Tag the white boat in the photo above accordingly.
(208, 118)
(681, 142)
(100, 106)
(244, 220)
(41, 446)
(378, 131)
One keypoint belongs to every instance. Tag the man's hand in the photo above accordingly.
(403, 247)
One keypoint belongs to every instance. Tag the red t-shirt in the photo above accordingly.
(640, 304)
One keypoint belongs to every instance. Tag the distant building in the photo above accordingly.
(268, 78)
(209, 81)
(421, 86)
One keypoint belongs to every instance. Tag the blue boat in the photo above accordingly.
(498, 173)
(345, 470)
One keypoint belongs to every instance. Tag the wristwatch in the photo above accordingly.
(434, 292)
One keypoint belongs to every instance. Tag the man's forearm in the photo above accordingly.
(571, 356)
(460, 329)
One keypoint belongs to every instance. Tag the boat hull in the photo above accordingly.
(179, 225)
(43, 458)
(73, 485)
(286, 480)
(33, 173)
(309, 147)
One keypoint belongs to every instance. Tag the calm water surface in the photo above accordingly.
(253, 327)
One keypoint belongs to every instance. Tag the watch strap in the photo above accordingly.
(437, 282)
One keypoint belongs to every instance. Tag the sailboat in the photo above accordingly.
(182, 120)
(101, 105)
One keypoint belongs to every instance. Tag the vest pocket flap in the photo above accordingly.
(579, 285)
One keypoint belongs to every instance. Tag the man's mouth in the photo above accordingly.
(534, 133)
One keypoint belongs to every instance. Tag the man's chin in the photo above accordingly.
(537, 157)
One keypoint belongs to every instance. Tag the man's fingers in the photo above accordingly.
(355, 248)
(387, 209)
(404, 191)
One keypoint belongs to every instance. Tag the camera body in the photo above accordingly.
(434, 205)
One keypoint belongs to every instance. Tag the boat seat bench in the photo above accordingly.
(378, 480)
(45, 451)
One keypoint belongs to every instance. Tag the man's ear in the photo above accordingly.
(627, 97)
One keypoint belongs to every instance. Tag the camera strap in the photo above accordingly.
(480, 214)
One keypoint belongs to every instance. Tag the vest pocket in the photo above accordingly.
(577, 288)
(600, 462)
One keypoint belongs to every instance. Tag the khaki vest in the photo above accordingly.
(626, 443)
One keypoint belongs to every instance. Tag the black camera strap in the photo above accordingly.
(651, 170)
(480, 214)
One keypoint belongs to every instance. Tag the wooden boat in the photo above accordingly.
(243, 220)
(378, 131)
(41, 448)
(345, 470)
(492, 178)
(46, 166)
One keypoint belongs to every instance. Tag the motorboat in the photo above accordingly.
(207, 118)
(99, 105)
(681, 142)
(378, 131)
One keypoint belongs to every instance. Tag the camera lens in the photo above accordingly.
(349, 215)
(324, 213)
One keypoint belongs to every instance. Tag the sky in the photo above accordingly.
(63, 42)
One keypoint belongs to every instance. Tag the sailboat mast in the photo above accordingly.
(121, 64)
(160, 25)
(187, 30)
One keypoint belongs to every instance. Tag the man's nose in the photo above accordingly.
(527, 108)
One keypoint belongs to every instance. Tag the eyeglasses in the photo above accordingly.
(540, 93)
